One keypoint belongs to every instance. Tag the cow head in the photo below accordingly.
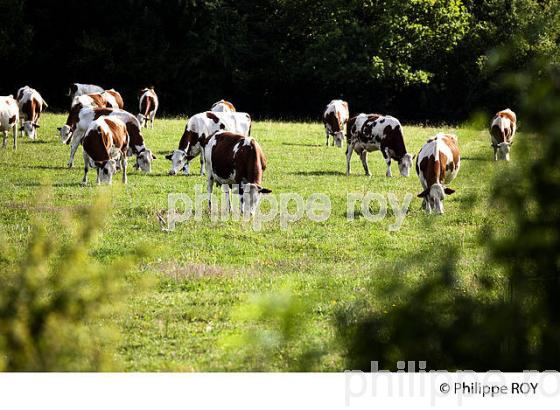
(433, 197)
(144, 160)
(251, 196)
(405, 163)
(106, 171)
(504, 149)
(65, 133)
(178, 160)
(29, 129)
(338, 138)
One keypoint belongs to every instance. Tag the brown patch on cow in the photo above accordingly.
(212, 116)
(147, 105)
(98, 100)
(508, 115)
(229, 105)
(31, 109)
(118, 98)
(98, 142)
(437, 170)
(333, 121)
(136, 137)
(188, 138)
(12, 120)
(248, 162)
(394, 140)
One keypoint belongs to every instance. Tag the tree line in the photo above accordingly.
(418, 59)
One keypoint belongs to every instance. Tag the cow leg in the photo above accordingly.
(349, 150)
(363, 157)
(124, 163)
(86, 169)
(186, 170)
(495, 153)
(75, 143)
(152, 119)
(327, 138)
(388, 161)
(5, 141)
(202, 165)
(15, 135)
(209, 189)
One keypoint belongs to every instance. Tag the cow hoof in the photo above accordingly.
(70, 164)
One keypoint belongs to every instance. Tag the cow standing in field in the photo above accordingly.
(335, 118)
(105, 144)
(78, 103)
(201, 126)
(223, 106)
(30, 104)
(437, 165)
(149, 104)
(375, 132)
(144, 156)
(113, 99)
(502, 131)
(78, 89)
(9, 116)
(235, 159)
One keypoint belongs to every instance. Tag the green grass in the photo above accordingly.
(204, 270)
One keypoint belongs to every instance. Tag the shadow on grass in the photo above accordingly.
(46, 167)
(318, 173)
(291, 144)
(484, 159)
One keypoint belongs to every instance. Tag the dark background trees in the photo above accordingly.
(419, 59)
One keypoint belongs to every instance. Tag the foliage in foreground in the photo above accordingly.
(55, 303)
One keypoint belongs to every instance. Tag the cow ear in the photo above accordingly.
(265, 190)
(423, 194)
(448, 191)
(36, 125)
(414, 156)
(21, 128)
(169, 157)
(153, 156)
(59, 128)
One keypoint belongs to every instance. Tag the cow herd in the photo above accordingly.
(221, 136)
(438, 161)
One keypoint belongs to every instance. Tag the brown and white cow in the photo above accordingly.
(502, 131)
(437, 165)
(235, 159)
(78, 89)
(223, 106)
(78, 103)
(105, 144)
(9, 115)
(198, 128)
(144, 156)
(30, 104)
(335, 118)
(113, 99)
(375, 132)
(148, 106)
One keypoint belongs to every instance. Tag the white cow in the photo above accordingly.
(148, 105)
(201, 126)
(30, 104)
(9, 117)
(335, 118)
(78, 89)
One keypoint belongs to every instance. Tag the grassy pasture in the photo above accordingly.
(204, 270)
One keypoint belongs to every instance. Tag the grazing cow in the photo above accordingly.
(149, 104)
(437, 165)
(144, 156)
(502, 131)
(78, 89)
(79, 103)
(105, 144)
(9, 116)
(30, 105)
(336, 118)
(201, 126)
(223, 106)
(375, 132)
(235, 159)
(113, 99)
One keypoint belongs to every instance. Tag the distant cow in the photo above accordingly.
(201, 126)
(375, 132)
(234, 159)
(144, 156)
(437, 165)
(105, 144)
(335, 118)
(30, 104)
(502, 131)
(9, 116)
(78, 89)
(148, 105)
(223, 106)
(113, 99)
